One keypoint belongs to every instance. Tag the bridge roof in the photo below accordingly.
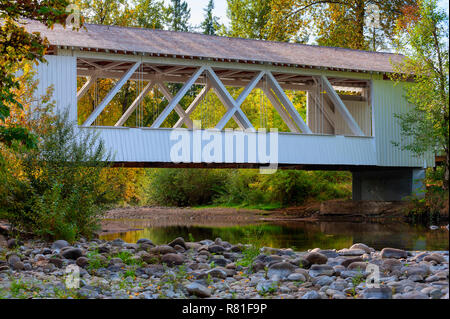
(190, 45)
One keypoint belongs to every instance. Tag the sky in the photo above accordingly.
(197, 13)
(220, 10)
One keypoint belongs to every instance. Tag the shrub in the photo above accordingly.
(54, 190)
(185, 187)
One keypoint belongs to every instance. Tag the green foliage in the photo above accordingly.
(185, 187)
(424, 40)
(178, 15)
(211, 23)
(18, 46)
(59, 194)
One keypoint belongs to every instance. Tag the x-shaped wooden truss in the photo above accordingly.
(273, 91)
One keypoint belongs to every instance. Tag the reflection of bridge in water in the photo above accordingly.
(350, 104)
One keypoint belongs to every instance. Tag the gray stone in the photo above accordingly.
(59, 244)
(172, 259)
(296, 277)
(312, 294)
(322, 281)
(72, 253)
(58, 262)
(348, 261)
(321, 270)
(281, 269)
(393, 253)
(358, 266)
(216, 249)
(378, 293)
(118, 242)
(351, 252)
(178, 241)
(163, 249)
(315, 258)
(364, 247)
(82, 262)
(198, 290)
(217, 273)
(144, 241)
(434, 257)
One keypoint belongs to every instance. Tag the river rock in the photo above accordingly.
(296, 277)
(346, 262)
(58, 262)
(59, 244)
(265, 286)
(312, 294)
(216, 249)
(378, 293)
(144, 241)
(393, 253)
(351, 252)
(434, 257)
(391, 264)
(72, 253)
(163, 249)
(171, 259)
(281, 269)
(198, 290)
(217, 273)
(316, 258)
(118, 242)
(329, 253)
(178, 241)
(357, 265)
(421, 270)
(364, 247)
(82, 262)
(322, 281)
(12, 259)
(321, 270)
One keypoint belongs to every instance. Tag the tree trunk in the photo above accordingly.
(360, 13)
(446, 170)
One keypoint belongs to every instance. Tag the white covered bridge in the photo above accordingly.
(348, 124)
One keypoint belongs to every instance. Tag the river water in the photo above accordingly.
(299, 236)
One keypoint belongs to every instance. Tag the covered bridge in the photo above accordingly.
(347, 123)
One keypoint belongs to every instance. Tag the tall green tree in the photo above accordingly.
(423, 38)
(178, 15)
(17, 46)
(211, 23)
(248, 18)
(340, 23)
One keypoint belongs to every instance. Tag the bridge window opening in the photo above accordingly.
(142, 95)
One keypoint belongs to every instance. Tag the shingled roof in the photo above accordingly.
(195, 45)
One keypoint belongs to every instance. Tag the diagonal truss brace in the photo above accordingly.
(234, 105)
(85, 88)
(177, 98)
(135, 103)
(341, 108)
(111, 95)
(184, 118)
(194, 104)
(290, 108)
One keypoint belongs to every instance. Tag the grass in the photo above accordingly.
(248, 256)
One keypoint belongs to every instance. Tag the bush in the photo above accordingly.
(54, 191)
(185, 187)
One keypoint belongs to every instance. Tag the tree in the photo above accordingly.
(17, 46)
(423, 37)
(337, 22)
(178, 16)
(248, 18)
(211, 23)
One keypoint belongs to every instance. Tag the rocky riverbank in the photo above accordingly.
(216, 269)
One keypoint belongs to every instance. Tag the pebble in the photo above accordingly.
(215, 269)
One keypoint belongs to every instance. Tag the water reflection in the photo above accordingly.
(298, 235)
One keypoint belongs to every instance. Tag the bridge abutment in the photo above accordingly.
(388, 185)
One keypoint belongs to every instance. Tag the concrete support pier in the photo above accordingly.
(388, 185)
